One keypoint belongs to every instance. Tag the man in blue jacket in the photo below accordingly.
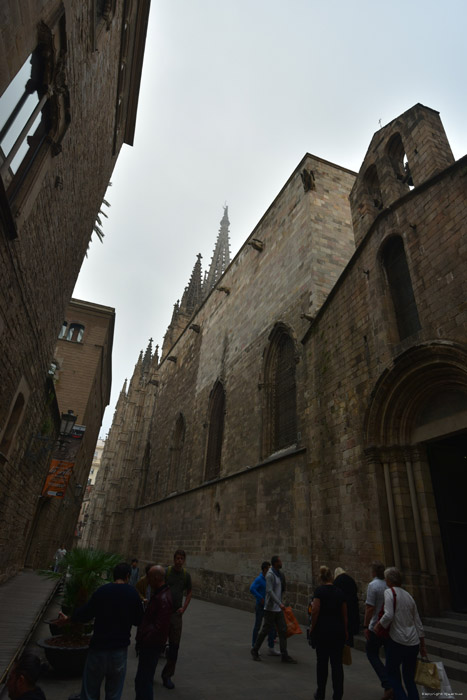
(258, 589)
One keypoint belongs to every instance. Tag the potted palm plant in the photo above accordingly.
(84, 570)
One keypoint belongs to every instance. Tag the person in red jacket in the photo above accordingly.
(153, 632)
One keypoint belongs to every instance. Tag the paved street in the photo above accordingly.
(215, 663)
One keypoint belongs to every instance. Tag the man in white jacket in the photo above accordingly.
(273, 615)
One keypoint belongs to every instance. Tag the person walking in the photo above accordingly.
(373, 604)
(179, 581)
(115, 607)
(153, 632)
(258, 589)
(134, 575)
(406, 636)
(58, 556)
(349, 588)
(143, 587)
(328, 632)
(273, 615)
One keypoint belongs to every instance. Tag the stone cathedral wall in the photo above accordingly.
(260, 504)
(371, 399)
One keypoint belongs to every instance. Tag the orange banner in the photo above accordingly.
(57, 478)
(62, 463)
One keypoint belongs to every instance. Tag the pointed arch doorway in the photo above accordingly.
(416, 431)
(447, 458)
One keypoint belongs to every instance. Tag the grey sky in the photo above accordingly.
(234, 93)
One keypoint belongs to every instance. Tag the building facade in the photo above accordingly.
(69, 83)
(93, 472)
(314, 404)
(83, 363)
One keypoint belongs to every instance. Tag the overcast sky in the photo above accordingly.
(233, 94)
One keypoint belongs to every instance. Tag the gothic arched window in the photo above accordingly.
(400, 287)
(176, 448)
(14, 420)
(372, 185)
(145, 484)
(216, 431)
(281, 392)
(396, 152)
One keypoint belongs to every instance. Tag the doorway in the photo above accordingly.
(448, 465)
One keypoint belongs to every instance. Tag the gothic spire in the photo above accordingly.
(147, 355)
(146, 364)
(221, 255)
(192, 296)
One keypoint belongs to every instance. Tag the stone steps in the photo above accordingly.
(448, 636)
(446, 641)
(446, 623)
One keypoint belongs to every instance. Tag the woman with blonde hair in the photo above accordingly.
(328, 633)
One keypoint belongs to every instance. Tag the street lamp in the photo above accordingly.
(67, 422)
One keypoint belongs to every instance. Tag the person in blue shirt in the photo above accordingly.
(258, 589)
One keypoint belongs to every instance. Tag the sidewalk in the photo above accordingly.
(22, 600)
(215, 664)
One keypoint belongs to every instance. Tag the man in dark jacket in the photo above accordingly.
(152, 633)
(115, 607)
(21, 682)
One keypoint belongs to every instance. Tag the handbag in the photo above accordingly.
(426, 673)
(383, 633)
(291, 621)
(346, 655)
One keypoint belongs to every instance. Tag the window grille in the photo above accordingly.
(216, 431)
(400, 286)
(34, 116)
(75, 332)
(27, 123)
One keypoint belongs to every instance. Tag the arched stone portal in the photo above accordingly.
(416, 436)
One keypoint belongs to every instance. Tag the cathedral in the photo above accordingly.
(310, 396)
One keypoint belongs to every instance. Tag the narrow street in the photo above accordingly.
(215, 662)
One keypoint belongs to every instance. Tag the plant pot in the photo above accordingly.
(55, 630)
(66, 655)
